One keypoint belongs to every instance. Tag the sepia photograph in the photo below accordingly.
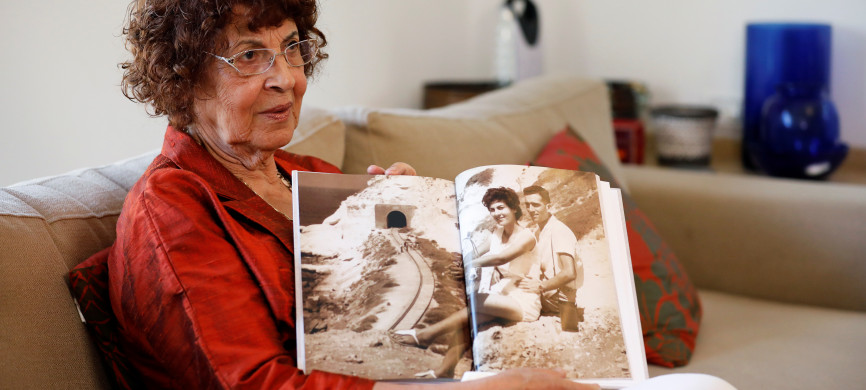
(538, 272)
(380, 264)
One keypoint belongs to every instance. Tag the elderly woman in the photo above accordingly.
(201, 277)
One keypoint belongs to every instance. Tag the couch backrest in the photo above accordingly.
(50, 225)
(507, 126)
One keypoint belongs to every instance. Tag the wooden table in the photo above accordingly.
(443, 93)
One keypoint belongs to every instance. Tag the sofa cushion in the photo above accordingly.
(506, 126)
(797, 241)
(321, 134)
(760, 344)
(46, 227)
(669, 307)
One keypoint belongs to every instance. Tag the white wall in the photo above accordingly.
(60, 101)
(693, 51)
(61, 107)
(382, 50)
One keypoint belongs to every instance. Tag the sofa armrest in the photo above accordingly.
(786, 240)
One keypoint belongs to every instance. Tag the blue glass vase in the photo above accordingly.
(799, 133)
(778, 53)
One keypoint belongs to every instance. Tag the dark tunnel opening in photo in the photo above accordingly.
(396, 219)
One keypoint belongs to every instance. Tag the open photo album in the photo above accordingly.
(417, 278)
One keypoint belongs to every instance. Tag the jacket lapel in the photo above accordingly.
(182, 149)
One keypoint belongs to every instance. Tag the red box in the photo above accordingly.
(629, 140)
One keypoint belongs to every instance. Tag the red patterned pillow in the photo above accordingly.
(89, 285)
(668, 302)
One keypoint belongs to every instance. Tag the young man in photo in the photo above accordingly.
(561, 269)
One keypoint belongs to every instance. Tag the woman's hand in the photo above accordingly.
(398, 168)
(530, 285)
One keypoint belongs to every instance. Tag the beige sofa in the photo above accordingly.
(780, 264)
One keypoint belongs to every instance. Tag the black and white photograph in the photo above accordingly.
(538, 271)
(380, 262)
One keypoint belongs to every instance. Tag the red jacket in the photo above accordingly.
(201, 277)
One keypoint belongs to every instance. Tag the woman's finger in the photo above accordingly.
(400, 168)
(375, 170)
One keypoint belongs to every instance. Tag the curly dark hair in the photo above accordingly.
(505, 195)
(169, 41)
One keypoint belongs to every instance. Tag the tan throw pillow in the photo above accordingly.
(321, 134)
(507, 126)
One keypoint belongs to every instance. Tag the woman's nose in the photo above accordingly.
(282, 74)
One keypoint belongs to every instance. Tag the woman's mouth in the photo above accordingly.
(279, 113)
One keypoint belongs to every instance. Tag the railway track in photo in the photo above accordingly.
(421, 278)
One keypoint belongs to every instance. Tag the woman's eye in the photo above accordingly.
(248, 57)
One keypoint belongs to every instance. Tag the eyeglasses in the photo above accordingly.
(257, 61)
